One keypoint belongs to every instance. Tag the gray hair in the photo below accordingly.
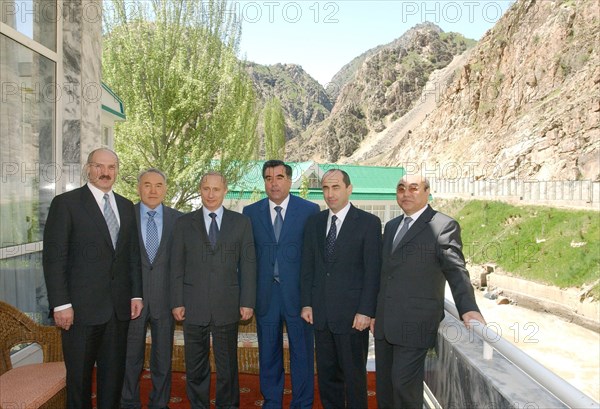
(151, 170)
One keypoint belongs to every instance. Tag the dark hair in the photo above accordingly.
(273, 163)
(345, 176)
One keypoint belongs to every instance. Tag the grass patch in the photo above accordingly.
(547, 245)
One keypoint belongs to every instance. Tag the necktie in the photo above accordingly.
(152, 241)
(402, 232)
(277, 225)
(330, 241)
(213, 230)
(111, 220)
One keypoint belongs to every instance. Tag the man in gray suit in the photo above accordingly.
(213, 285)
(421, 251)
(155, 223)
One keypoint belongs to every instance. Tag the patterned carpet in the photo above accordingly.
(250, 396)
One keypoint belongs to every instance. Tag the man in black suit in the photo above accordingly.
(155, 223)
(213, 284)
(341, 263)
(91, 263)
(421, 251)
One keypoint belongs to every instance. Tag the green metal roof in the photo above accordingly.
(368, 182)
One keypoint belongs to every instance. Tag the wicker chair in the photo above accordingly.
(36, 385)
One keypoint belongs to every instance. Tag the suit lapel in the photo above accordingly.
(91, 206)
(138, 221)
(321, 232)
(121, 206)
(290, 214)
(416, 228)
(167, 227)
(391, 233)
(348, 227)
(265, 218)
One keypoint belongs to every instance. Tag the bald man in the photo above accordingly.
(421, 251)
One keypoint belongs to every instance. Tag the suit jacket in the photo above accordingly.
(410, 305)
(81, 266)
(346, 284)
(288, 252)
(155, 275)
(213, 284)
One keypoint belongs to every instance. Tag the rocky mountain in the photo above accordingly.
(303, 99)
(525, 104)
(384, 88)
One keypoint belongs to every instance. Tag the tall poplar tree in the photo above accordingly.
(189, 103)
(274, 128)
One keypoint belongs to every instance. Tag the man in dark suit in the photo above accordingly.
(213, 284)
(341, 261)
(278, 225)
(155, 223)
(91, 263)
(421, 251)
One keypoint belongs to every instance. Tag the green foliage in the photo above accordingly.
(274, 127)
(304, 187)
(189, 103)
(548, 245)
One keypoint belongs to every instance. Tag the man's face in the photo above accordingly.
(411, 194)
(102, 170)
(277, 184)
(212, 191)
(335, 192)
(152, 189)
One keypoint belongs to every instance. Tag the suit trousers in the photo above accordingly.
(270, 348)
(104, 345)
(399, 376)
(161, 330)
(342, 368)
(197, 364)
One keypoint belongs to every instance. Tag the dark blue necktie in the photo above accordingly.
(213, 230)
(152, 241)
(331, 236)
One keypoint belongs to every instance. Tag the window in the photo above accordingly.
(27, 120)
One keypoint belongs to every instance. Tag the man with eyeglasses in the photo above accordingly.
(91, 262)
(421, 251)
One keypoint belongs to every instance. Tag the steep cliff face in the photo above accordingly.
(526, 104)
(383, 89)
(303, 99)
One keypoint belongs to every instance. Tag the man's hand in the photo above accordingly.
(361, 322)
(246, 313)
(178, 313)
(373, 326)
(136, 308)
(307, 315)
(64, 318)
(472, 315)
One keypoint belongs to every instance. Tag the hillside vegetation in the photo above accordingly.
(552, 246)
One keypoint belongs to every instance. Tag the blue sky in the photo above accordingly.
(322, 36)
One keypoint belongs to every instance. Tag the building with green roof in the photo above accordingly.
(374, 187)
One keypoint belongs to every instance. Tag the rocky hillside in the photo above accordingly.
(384, 88)
(303, 99)
(526, 101)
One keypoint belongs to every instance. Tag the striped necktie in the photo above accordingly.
(111, 220)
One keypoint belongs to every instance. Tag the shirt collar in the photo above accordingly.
(341, 215)
(417, 214)
(284, 204)
(99, 194)
(145, 209)
(219, 212)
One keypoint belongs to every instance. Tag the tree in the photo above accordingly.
(274, 128)
(190, 105)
